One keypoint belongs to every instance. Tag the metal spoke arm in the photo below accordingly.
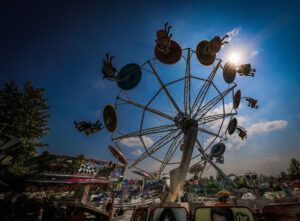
(213, 102)
(212, 118)
(148, 109)
(209, 132)
(165, 88)
(203, 91)
(187, 84)
(152, 130)
(174, 146)
(155, 147)
(208, 159)
(200, 148)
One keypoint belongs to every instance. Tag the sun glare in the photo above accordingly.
(234, 57)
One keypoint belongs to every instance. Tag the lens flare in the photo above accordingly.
(234, 57)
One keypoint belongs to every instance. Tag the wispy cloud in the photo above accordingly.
(269, 160)
(219, 110)
(253, 53)
(136, 141)
(234, 142)
(234, 32)
(137, 152)
(267, 126)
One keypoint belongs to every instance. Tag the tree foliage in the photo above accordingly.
(294, 170)
(25, 114)
(283, 175)
(242, 183)
(213, 185)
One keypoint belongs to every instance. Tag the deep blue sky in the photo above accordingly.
(57, 46)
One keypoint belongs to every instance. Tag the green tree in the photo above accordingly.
(261, 179)
(213, 185)
(203, 179)
(283, 175)
(25, 114)
(242, 182)
(294, 170)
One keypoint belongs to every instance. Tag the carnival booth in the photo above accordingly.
(74, 180)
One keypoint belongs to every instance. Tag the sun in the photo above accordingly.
(234, 57)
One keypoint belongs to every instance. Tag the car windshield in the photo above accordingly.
(167, 213)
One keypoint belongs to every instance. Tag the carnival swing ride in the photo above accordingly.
(192, 121)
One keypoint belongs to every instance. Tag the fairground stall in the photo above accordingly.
(75, 180)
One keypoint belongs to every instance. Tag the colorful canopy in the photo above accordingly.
(67, 180)
(296, 183)
(131, 182)
(142, 174)
(223, 193)
(69, 167)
